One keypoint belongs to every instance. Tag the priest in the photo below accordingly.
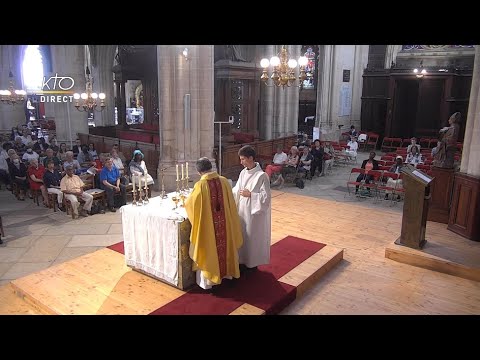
(216, 233)
(253, 199)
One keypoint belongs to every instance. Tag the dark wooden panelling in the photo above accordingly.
(389, 106)
(465, 212)
(429, 107)
(441, 191)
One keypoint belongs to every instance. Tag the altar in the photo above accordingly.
(157, 239)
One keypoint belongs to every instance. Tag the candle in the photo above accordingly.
(139, 182)
(133, 182)
(186, 168)
(182, 173)
(145, 182)
(177, 172)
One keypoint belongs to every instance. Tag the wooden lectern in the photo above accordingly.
(415, 207)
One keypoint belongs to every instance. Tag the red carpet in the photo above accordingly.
(259, 288)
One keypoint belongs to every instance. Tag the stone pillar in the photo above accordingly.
(465, 210)
(323, 118)
(267, 100)
(292, 96)
(68, 60)
(102, 58)
(11, 59)
(185, 139)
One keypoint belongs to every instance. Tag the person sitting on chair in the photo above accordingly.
(279, 160)
(317, 152)
(305, 162)
(412, 145)
(352, 148)
(290, 166)
(138, 167)
(72, 186)
(51, 180)
(369, 164)
(110, 179)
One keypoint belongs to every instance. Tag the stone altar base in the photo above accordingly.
(101, 283)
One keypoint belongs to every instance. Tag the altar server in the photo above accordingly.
(216, 233)
(253, 199)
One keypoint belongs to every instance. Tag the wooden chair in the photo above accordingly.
(52, 201)
(35, 194)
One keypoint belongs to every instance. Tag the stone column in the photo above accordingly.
(471, 143)
(279, 105)
(267, 100)
(101, 66)
(465, 209)
(292, 96)
(185, 139)
(68, 60)
(323, 117)
(11, 59)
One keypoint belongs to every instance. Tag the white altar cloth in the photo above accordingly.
(151, 234)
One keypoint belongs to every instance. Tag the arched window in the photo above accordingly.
(311, 53)
(32, 68)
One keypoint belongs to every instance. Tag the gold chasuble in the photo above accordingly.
(216, 233)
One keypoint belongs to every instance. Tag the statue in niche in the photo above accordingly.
(445, 156)
(234, 53)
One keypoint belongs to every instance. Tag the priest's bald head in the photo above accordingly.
(203, 165)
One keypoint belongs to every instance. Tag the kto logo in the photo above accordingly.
(60, 85)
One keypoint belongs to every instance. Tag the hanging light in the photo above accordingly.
(12, 96)
(283, 69)
(89, 98)
(420, 73)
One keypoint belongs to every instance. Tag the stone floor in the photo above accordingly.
(37, 238)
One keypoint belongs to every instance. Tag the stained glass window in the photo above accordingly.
(310, 69)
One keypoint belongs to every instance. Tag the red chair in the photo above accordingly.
(383, 186)
(372, 140)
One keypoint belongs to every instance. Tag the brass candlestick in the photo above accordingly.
(163, 195)
(185, 186)
(178, 186)
(134, 195)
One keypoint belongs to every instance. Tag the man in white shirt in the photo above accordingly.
(279, 160)
(30, 155)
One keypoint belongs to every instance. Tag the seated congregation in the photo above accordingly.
(78, 181)
(376, 178)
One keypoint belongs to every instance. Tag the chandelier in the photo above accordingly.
(12, 96)
(89, 98)
(283, 69)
